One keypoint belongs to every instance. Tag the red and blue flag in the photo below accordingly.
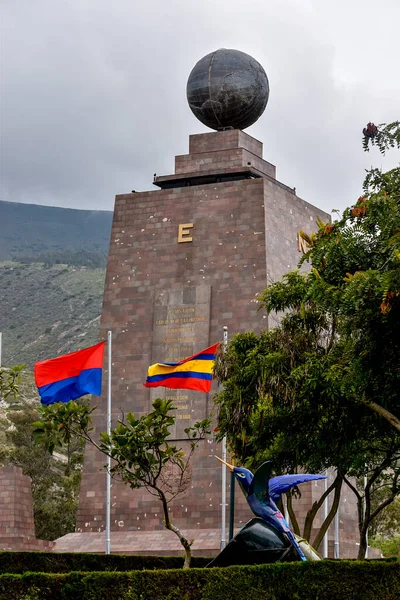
(70, 376)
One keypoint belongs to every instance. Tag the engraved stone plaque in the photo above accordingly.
(181, 328)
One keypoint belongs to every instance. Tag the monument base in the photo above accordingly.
(156, 543)
(207, 542)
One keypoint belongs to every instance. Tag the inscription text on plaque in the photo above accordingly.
(181, 329)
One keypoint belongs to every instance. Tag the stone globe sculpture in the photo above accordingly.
(227, 89)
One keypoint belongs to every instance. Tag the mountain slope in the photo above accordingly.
(46, 311)
(30, 229)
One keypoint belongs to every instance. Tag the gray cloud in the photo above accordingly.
(93, 99)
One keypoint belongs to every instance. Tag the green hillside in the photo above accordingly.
(46, 311)
(29, 229)
(51, 279)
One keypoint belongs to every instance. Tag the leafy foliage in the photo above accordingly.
(143, 455)
(388, 522)
(356, 275)
(302, 393)
(9, 381)
(384, 136)
(389, 546)
(385, 530)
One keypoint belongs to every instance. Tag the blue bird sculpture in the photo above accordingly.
(262, 493)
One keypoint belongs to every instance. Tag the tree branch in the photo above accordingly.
(335, 505)
(315, 508)
(292, 515)
(386, 414)
(381, 507)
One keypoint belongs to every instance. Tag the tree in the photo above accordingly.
(9, 383)
(385, 532)
(302, 394)
(356, 274)
(141, 453)
(281, 401)
(388, 523)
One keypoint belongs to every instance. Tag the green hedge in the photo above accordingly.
(325, 580)
(52, 562)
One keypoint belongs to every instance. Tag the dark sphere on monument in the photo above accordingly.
(227, 89)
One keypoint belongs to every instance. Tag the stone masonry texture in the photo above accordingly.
(17, 530)
(244, 237)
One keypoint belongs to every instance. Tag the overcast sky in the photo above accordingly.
(93, 97)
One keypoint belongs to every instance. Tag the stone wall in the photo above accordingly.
(17, 529)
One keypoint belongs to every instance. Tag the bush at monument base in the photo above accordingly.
(57, 562)
(325, 580)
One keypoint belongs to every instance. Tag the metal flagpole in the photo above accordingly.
(325, 552)
(232, 504)
(223, 495)
(336, 545)
(365, 512)
(223, 520)
(108, 476)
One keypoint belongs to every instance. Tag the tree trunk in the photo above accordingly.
(363, 544)
(365, 520)
(361, 551)
(292, 516)
(335, 505)
(314, 509)
(187, 544)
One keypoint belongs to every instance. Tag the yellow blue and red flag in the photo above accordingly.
(192, 373)
(70, 376)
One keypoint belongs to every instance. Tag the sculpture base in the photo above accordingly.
(256, 543)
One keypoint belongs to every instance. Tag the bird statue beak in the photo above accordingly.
(230, 467)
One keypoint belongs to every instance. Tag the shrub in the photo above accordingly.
(325, 580)
(389, 546)
(48, 562)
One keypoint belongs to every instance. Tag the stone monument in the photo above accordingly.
(184, 261)
(17, 528)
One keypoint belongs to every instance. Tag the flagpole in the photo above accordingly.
(364, 513)
(336, 545)
(223, 494)
(325, 545)
(232, 504)
(108, 476)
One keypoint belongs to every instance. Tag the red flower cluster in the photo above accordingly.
(388, 302)
(370, 130)
(385, 306)
(359, 211)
